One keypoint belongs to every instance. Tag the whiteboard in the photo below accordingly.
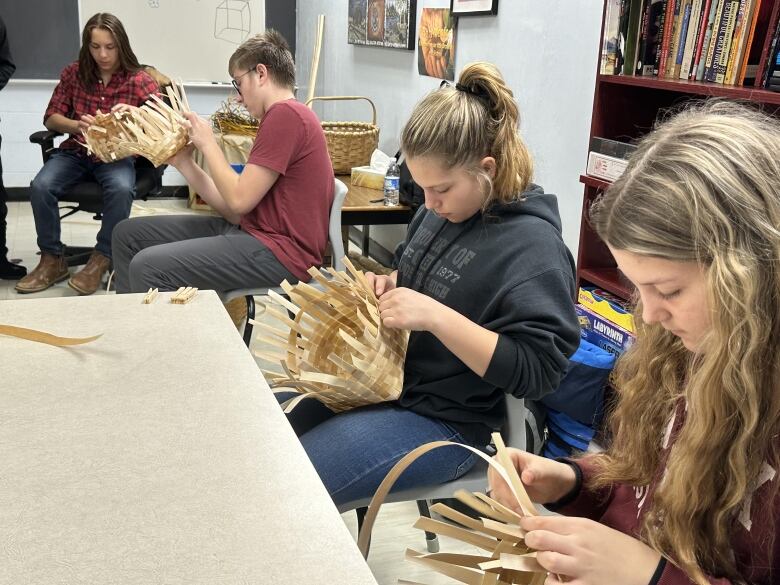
(190, 40)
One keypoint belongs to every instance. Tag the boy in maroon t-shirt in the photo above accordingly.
(274, 222)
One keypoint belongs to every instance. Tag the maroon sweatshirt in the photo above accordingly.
(622, 507)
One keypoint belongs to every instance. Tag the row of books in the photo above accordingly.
(697, 40)
(605, 320)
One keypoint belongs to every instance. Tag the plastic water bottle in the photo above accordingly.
(392, 182)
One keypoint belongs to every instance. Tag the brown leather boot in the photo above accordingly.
(88, 279)
(50, 270)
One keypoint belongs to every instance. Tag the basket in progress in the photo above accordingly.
(503, 557)
(155, 130)
(350, 144)
(336, 348)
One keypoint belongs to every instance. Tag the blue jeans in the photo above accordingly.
(62, 171)
(353, 451)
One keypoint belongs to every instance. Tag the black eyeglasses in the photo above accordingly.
(235, 81)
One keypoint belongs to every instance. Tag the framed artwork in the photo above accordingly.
(382, 23)
(473, 7)
(436, 44)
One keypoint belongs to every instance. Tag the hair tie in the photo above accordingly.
(479, 92)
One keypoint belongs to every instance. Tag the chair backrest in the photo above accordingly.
(514, 432)
(334, 228)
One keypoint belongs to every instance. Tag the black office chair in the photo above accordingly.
(88, 196)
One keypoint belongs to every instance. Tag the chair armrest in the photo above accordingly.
(45, 139)
(43, 136)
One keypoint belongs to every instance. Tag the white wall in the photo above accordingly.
(22, 104)
(546, 49)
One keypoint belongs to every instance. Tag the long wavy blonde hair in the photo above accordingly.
(705, 187)
(462, 126)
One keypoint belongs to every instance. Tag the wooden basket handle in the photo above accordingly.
(509, 475)
(346, 97)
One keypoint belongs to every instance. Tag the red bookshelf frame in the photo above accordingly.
(625, 107)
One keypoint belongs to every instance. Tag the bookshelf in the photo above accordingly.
(625, 108)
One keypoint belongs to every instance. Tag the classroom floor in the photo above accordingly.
(393, 533)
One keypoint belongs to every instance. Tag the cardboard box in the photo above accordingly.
(602, 333)
(368, 177)
(605, 167)
(608, 306)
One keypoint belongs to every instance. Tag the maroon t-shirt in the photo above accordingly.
(292, 218)
(755, 539)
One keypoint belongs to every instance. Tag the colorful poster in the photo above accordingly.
(382, 23)
(357, 21)
(436, 44)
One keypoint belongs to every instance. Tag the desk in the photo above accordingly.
(362, 208)
(156, 454)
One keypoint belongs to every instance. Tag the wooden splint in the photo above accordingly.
(184, 295)
(150, 296)
(506, 560)
(335, 349)
(44, 337)
(155, 130)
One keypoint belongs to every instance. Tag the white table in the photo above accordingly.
(154, 455)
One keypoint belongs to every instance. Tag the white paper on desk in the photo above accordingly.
(379, 161)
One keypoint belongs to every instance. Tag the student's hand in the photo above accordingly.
(381, 283)
(585, 551)
(404, 308)
(545, 480)
(200, 130)
(85, 122)
(181, 158)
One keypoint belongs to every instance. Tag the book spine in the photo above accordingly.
(705, 15)
(625, 7)
(771, 63)
(610, 40)
(723, 59)
(642, 40)
(668, 25)
(716, 44)
(660, 36)
(763, 64)
(632, 37)
(749, 44)
(684, 22)
(709, 47)
(737, 41)
(675, 39)
(690, 40)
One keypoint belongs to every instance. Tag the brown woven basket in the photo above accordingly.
(350, 144)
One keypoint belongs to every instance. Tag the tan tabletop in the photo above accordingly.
(156, 454)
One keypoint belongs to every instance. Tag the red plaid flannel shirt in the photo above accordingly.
(73, 100)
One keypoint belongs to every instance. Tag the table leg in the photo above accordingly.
(366, 234)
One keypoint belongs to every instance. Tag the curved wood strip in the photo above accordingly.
(43, 337)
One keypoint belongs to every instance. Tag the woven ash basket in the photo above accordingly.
(350, 144)
(335, 349)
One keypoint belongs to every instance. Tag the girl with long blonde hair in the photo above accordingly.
(687, 489)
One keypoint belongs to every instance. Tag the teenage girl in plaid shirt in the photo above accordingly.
(106, 75)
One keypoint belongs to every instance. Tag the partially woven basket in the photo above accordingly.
(155, 130)
(350, 144)
(336, 348)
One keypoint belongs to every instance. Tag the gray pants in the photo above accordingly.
(167, 252)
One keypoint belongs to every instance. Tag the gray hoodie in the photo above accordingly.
(510, 272)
